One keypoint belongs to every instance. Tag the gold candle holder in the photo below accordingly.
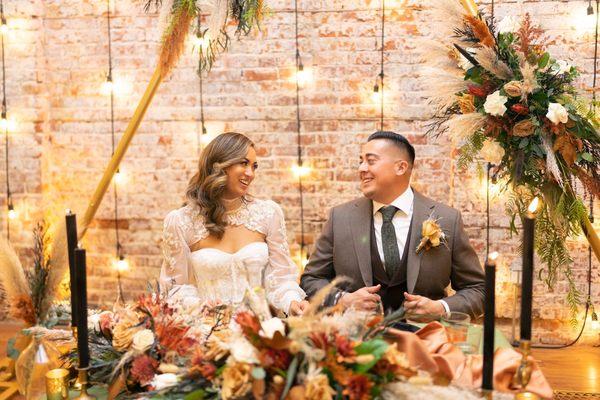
(57, 384)
(487, 394)
(83, 380)
(523, 373)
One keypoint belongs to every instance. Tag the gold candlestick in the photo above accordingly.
(487, 394)
(83, 380)
(523, 373)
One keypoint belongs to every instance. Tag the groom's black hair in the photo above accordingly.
(398, 140)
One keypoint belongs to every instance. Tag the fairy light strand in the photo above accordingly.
(4, 116)
(120, 258)
(299, 67)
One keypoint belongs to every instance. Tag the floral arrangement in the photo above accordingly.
(32, 290)
(168, 346)
(501, 96)
(214, 37)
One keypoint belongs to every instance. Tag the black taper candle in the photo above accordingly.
(527, 277)
(489, 322)
(82, 328)
(71, 221)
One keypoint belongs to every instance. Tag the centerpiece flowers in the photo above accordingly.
(501, 96)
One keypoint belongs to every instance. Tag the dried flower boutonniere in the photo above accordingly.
(432, 235)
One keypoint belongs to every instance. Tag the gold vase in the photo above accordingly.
(39, 357)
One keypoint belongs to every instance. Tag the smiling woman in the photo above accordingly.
(224, 241)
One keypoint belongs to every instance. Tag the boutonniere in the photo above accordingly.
(432, 235)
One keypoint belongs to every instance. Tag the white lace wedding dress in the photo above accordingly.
(225, 277)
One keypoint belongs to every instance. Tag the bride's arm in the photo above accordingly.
(281, 277)
(175, 252)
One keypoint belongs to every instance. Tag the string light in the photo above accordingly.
(303, 75)
(379, 84)
(119, 177)
(5, 125)
(595, 325)
(377, 95)
(3, 26)
(12, 213)
(121, 264)
(300, 171)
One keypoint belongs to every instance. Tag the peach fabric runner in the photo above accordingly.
(430, 350)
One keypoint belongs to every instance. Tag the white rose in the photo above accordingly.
(143, 340)
(494, 104)
(163, 381)
(509, 24)
(492, 152)
(94, 322)
(557, 113)
(563, 66)
(242, 351)
(270, 326)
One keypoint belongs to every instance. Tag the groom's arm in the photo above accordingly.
(467, 276)
(319, 271)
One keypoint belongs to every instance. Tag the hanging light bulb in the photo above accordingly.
(3, 27)
(376, 95)
(299, 170)
(12, 213)
(590, 9)
(119, 177)
(595, 322)
(303, 75)
(121, 264)
(533, 206)
(6, 124)
(108, 85)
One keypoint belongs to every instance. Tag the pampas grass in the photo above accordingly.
(462, 126)
(442, 85)
(12, 277)
(488, 59)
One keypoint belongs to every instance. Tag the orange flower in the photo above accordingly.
(143, 369)
(432, 235)
(236, 380)
(249, 323)
(523, 128)
(358, 387)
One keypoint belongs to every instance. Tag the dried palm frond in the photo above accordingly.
(480, 30)
(183, 12)
(551, 163)
(446, 15)
(488, 59)
(12, 278)
(58, 262)
(441, 86)
(462, 126)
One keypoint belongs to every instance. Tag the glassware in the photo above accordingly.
(457, 327)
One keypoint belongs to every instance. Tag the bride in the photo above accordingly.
(225, 241)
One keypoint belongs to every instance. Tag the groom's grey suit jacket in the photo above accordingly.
(344, 249)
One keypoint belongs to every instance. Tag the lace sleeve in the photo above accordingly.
(281, 276)
(175, 251)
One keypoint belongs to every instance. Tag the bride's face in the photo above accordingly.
(241, 175)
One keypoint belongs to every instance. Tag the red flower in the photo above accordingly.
(358, 388)
(479, 91)
(520, 109)
(344, 346)
(320, 340)
(271, 358)
(143, 369)
(171, 336)
(155, 304)
(204, 367)
(249, 323)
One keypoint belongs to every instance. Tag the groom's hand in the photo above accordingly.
(363, 299)
(422, 305)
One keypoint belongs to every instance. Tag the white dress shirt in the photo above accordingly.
(401, 222)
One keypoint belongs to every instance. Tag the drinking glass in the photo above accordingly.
(457, 326)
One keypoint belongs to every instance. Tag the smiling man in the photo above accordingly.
(372, 241)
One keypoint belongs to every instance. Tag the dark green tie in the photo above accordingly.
(391, 253)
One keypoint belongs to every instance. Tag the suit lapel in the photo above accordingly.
(360, 228)
(422, 209)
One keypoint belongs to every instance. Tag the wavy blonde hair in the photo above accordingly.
(207, 186)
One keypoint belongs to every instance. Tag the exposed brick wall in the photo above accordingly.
(56, 60)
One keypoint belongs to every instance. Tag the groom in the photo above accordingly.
(372, 242)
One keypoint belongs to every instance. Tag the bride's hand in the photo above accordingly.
(298, 307)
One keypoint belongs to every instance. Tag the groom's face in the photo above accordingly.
(382, 168)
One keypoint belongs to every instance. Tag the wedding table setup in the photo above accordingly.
(510, 109)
